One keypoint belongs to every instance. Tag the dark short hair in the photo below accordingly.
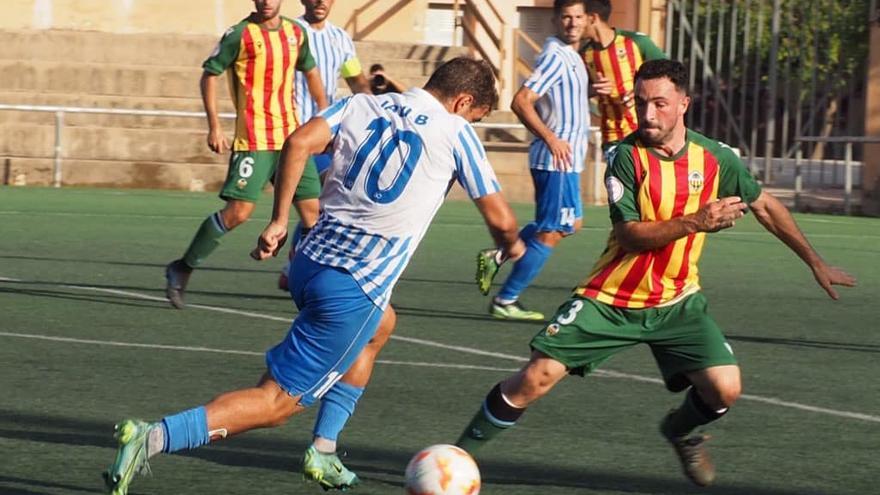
(602, 8)
(375, 67)
(558, 5)
(465, 75)
(670, 69)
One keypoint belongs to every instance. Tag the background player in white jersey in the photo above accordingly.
(334, 54)
(394, 159)
(553, 105)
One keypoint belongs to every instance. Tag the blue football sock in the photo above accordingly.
(337, 406)
(186, 430)
(525, 269)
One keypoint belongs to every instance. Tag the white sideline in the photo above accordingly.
(430, 343)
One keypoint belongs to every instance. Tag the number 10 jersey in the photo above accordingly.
(395, 157)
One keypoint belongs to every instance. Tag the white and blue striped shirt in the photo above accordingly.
(561, 79)
(394, 159)
(331, 47)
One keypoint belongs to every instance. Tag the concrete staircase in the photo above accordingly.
(156, 72)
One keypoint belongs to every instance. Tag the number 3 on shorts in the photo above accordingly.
(246, 167)
(571, 314)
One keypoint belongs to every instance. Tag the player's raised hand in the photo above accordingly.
(217, 141)
(720, 214)
(270, 241)
(829, 276)
(560, 150)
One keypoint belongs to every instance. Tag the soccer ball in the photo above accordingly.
(442, 470)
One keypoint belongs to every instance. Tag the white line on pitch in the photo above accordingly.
(430, 343)
(811, 235)
(112, 343)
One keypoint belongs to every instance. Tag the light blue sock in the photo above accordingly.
(525, 269)
(337, 406)
(186, 430)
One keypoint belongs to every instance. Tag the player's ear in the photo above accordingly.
(685, 103)
(463, 102)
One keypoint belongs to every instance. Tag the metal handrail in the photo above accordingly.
(59, 112)
(520, 65)
(352, 23)
(847, 164)
(839, 139)
(497, 39)
(176, 113)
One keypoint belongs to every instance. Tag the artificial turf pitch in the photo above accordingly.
(86, 339)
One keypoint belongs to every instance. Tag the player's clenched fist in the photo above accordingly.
(720, 214)
(270, 241)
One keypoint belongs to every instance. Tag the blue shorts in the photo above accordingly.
(557, 200)
(335, 322)
(323, 162)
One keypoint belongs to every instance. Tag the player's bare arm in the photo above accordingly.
(644, 236)
(501, 221)
(394, 84)
(316, 87)
(523, 106)
(216, 139)
(310, 139)
(359, 84)
(776, 218)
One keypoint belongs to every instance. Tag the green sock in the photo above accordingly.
(206, 240)
(692, 413)
(495, 415)
(478, 432)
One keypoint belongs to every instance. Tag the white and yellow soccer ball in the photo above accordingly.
(442, 470)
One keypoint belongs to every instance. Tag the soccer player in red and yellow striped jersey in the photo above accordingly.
(260, 54)
(613, 56)
(667, 187)
(649, 186)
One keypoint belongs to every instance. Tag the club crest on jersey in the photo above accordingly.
(614, 188)
(291, 40)
(241, 184)
(695, 182)
(621, 52)
(552, 329)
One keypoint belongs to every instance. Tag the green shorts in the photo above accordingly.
(250, 171)
(585, 333)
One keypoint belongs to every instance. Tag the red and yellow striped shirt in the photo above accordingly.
(643, 186)
(261, 80)
(619, 62)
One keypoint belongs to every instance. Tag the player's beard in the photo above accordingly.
(658, 138)
(314, 17)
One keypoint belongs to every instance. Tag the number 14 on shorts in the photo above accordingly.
(566, 216)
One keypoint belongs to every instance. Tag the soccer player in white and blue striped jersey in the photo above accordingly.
(334, 53)
(394, 159)
(553, 105)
